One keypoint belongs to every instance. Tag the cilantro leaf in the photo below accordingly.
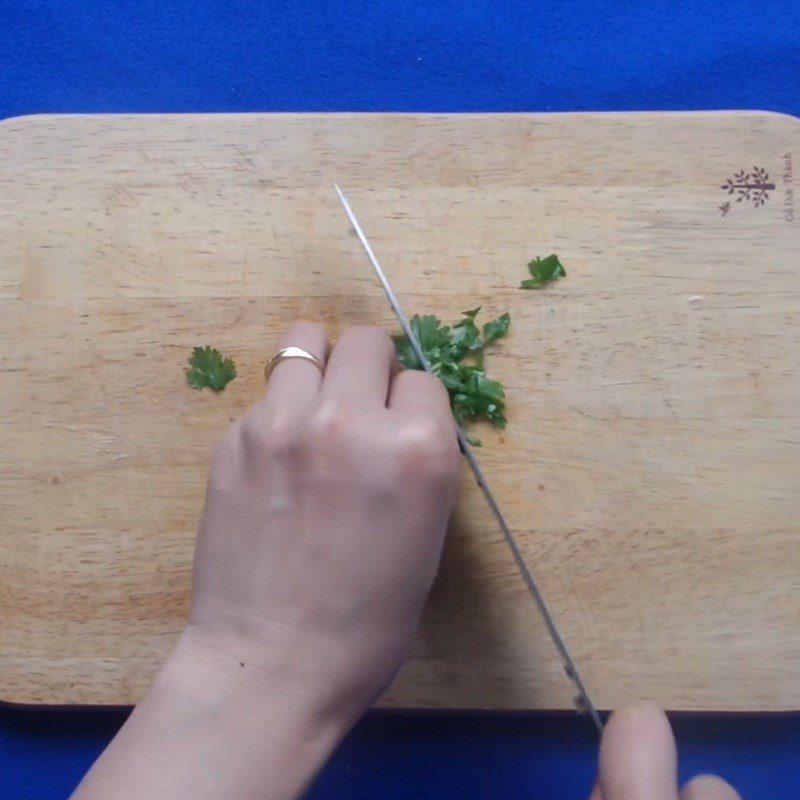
(466, 336)
(543, 270)
(456, 356)
(207, 367)
(496, 328)
(487, 388)
(430, 332)
(470, 315)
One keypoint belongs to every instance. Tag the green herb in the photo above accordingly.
(543, 270)
(207, 367)
(496, 329)
(472, 394)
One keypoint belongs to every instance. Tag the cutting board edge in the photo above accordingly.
(761, 711)
(20, 120)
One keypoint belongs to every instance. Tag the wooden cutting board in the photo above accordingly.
(651, 466)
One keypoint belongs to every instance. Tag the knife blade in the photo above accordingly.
(582, 699)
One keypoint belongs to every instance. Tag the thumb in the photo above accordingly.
(638, 760)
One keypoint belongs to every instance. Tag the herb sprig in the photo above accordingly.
(208, 368)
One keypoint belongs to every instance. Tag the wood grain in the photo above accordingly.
(652, 461)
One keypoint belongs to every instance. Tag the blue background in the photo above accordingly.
(196, 55)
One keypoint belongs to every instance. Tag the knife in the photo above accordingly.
(582, 700)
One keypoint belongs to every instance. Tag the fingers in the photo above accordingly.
(709, 787)
(360, 366)
(637, 756)
(416, 392)
(294, 380)
(638, 762)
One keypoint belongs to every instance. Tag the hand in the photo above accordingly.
(325, 515)
(638, 761)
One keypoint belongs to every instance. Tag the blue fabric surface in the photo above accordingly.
(447, 756)
(152, 55)
(92, 56)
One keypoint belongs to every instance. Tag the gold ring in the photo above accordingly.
(291, 352)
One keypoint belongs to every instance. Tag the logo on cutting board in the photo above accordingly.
(752, 187)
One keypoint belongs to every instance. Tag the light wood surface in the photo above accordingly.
(651, 466)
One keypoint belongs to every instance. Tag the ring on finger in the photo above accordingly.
(291, 352)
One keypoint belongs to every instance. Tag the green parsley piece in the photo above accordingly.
(473, 395)
(207, 367)
(543, 270)
(496, 329)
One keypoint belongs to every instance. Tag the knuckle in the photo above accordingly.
(429, 448)
(274, 435)
(330, 424)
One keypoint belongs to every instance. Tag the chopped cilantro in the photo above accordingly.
(543, 270)
(473, 395)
